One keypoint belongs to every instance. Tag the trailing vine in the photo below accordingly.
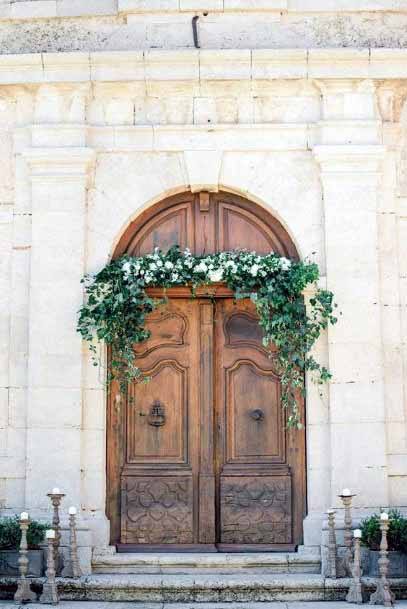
(117, 304)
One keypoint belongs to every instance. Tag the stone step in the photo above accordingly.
(258, 562)
(202, 588)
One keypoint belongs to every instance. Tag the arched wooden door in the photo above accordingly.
(200, 457)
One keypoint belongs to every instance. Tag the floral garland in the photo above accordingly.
(117, 304)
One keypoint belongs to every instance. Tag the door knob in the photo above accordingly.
(257, 414)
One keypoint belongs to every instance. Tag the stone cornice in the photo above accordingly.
(50, 163)
(356, 159)
(48, 9)
(191, 65)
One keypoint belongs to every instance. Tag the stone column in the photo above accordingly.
(351, 177)
(54, 419)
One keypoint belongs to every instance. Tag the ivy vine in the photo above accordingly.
(117, 304)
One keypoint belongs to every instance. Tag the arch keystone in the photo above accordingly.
(203, 169)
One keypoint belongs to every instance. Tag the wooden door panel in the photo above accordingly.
(157, 419)
(173, 226)
(160, 471)
(253, 414)
(256, 505)
(256, 509)
(157, 510)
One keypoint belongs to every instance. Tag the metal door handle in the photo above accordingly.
(257, 414)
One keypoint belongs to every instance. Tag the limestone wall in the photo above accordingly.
(317, 137)
(31, 26)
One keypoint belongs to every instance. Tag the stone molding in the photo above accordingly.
(55, 9)
(59, 163)
(192, 65)
(365, 159)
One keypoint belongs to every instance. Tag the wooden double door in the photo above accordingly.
(200, 456)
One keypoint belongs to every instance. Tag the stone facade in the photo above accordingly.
(90, 138)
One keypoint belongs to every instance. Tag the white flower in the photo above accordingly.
(201, 268)
(147, 278)
(216, 275)
(168, 265)
(174, 277)
(285, 263)
(126, 268)
(254, 270)
(159, 263)
(153, 266)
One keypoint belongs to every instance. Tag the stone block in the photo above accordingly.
(381, 67)
(362, 466)
(356, 401)
(58, 465)
(203, 169)
(33, 10)
(255, 5)
(228, 64)
(94, 451)
(76, 8)
(141, 6)
(349, 362)
(17, 407)
(201, 5)
(338, 63)
(398, 489)
(279, 63)
(172, 65)
(117, 66)
(94, 409)
(66, 67)
(4, 407)
(55, 408)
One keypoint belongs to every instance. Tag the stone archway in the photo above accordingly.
(200, 457)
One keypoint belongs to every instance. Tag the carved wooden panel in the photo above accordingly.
(238, 228)
(242, 329)
(171, 227)
(256, 510)
(167, 328)
(157, 510)
(168, 442)
(253, 415)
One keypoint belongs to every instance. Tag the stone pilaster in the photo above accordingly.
(59, 185)
(351, 179)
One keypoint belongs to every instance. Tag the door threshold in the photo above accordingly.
(133, 548)
(140, 548)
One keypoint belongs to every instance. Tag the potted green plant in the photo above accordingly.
(10, 536)
(397, 543)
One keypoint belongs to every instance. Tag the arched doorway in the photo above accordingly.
(199, 457)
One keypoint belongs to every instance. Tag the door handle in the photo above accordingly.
(257, 414)
(156, 416)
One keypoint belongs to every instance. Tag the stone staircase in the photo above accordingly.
(205, 578)
(207, 563)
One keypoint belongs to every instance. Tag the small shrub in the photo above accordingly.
(397, 533)
(10, 534)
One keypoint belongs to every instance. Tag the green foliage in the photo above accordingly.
(10, 534)
(117, 305)
(397, 533)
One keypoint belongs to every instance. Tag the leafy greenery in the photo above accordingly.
(397, 533)
(10, 533)
(117, 304)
